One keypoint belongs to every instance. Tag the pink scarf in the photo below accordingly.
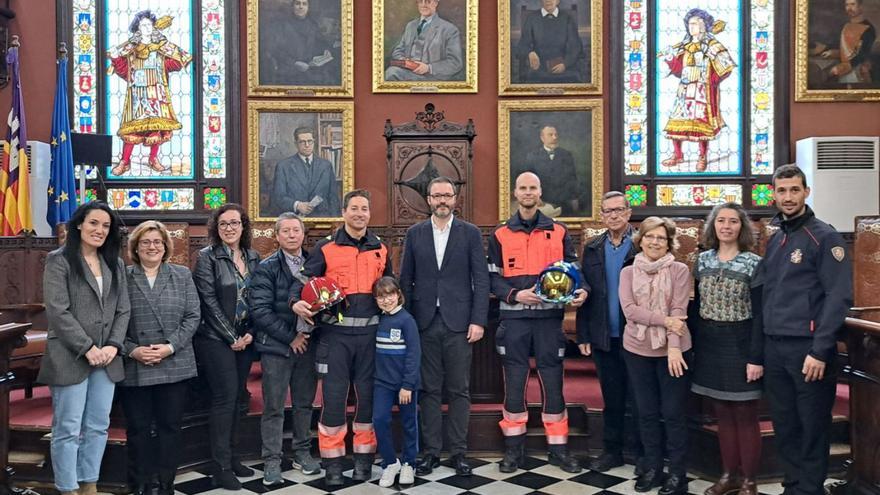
(652, 289)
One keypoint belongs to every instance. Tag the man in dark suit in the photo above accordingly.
(445, 281)
(555, 167)
(305, 183)
(550, 46)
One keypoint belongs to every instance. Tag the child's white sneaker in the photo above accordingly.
(389, 473)
(407, 476)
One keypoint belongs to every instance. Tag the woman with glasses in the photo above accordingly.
(222, 343)
(728, 343)
(654, 294)
(159, 357)
(84, 289)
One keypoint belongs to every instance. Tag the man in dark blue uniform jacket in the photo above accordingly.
(807, 292)
(445, 282)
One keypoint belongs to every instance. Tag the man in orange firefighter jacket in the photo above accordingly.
(355, 258)
(519, 250)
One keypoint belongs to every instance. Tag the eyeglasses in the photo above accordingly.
(145, 243)
(306, 141)
(438, 197)
(229, 225)
(382, 297)
(614, 211)
(655, 238)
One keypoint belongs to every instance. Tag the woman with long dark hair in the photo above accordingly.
(728, 343)
(87, 307)
(159, 358)
(222, 343)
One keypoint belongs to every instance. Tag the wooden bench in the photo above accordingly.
(25, 361)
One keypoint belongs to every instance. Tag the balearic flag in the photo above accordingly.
(62, 183)
(15, 205)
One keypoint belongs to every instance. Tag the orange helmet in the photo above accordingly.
(322, 293)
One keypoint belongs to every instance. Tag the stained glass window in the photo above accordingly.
(697, 85)
(163, 97)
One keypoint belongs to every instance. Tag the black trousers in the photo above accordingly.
(446, 365)
(226, 372)
(153, 409)
(660, 395)
(351, 360)
(618, 434)
(801, 413)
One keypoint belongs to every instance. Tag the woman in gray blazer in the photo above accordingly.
(223, 340)
(159, 356)
(87, 307)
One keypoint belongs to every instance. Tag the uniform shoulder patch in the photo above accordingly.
(838, 252)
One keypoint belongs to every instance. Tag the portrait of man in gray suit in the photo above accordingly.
(305, 183)
(429, 49)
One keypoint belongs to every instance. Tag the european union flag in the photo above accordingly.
(62, 185)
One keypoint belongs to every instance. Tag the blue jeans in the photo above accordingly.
(383, 400)
(80, 418)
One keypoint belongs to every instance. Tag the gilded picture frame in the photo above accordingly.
(448, 51)
(520, 74)
(572, 193)
(821, 72)
(279, 34)
(278, 139)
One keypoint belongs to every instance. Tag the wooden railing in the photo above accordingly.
(863, 370)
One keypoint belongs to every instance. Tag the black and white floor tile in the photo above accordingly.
(537, 478)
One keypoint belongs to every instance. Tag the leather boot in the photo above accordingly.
(726, 483)
(514, 458)
(363, 467)
(749, 487)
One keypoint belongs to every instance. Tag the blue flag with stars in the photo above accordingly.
(62, 183)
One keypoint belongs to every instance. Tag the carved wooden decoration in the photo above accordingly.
(866, 262)
(420, 150)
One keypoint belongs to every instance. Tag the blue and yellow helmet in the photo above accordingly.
(557, 282)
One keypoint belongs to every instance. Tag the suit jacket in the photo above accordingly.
(167, 313)
(559, 180)
(439, 45)
(461, 283)
(294, 182)
(592, 316)
(79, 317)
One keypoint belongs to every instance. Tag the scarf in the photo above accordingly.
(652, 289)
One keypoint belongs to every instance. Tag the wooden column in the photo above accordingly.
(11, 336)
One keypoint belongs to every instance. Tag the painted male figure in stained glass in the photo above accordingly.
(144, 61)
(701, 62)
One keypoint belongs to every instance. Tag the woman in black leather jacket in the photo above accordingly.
(222, 342)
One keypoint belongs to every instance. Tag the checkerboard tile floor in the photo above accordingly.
(537, 478)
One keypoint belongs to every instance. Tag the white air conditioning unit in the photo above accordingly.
(842, 173)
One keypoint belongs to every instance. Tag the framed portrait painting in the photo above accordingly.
(561, 142)
(300, 158)
(837, 54)
(425, 46)
(549, 47)
(300, 47)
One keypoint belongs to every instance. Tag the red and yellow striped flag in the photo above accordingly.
(15, 204)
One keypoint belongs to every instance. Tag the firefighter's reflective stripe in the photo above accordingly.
(349, 321)
(503, 306)
(556, 427)
(331, 440)
(513, 424)
(364, 441)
